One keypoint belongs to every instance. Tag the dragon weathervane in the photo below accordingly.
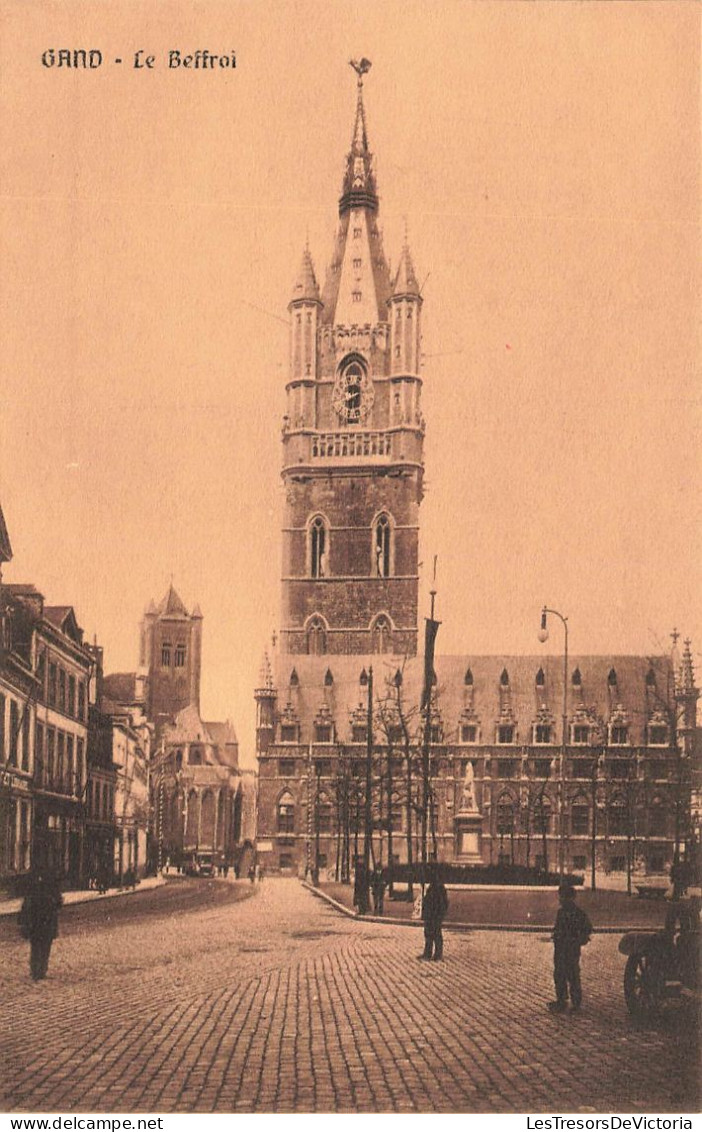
(361, 67)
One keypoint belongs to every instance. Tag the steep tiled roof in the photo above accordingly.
(405, 280)
(222, 732)
(172, 605)
(306, 287)
(63, 617)
(485, 693)
(187, 728)
(120, 687)
(225, 751)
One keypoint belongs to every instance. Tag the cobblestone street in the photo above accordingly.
(281, 1004)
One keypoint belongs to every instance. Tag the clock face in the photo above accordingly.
(352, 397)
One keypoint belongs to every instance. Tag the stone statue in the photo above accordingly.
(468, 795)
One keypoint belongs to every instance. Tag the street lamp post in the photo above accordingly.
(543, 636)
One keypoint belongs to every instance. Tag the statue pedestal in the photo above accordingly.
(469, 826)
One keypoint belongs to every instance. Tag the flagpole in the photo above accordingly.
(363, 894)
(431, 630)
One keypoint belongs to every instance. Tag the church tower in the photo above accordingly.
(353, 436)
(171, 656)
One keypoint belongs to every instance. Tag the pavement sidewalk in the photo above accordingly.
(455, 925)
(11, 907)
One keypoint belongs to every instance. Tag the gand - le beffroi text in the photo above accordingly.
(91, 59)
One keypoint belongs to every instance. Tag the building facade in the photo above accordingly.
(585, 770)
(201, 802)
(51, 737)
(17, 720)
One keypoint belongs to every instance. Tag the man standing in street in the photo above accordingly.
(434, 909)
(39, 921)
(571, 930)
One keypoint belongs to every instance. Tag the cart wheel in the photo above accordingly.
(642, 986)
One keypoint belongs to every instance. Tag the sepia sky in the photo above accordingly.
(546, 159)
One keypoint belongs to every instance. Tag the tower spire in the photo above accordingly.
(358, 189)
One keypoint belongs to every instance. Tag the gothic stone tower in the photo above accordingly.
(353, 437)
(171, 651)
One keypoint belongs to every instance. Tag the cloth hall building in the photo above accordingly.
(530, 763)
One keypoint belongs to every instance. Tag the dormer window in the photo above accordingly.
(504, 678)
(612, 678)
(505, 733)
(619, 735)
(576, 678)
(356, 296)
(581, 734)
(542, 733)
(468, 678)
(357, 233)
(288, 732)
(469, 733)
(357, 264)
(323, 733)
(540, 678)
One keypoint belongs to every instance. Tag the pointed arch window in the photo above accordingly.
(505, 814)
(540, 678)
(382, 634)
(316, 636)
(319, 547)
(382, 546)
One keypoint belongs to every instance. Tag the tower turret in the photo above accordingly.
(304, 308)
(265, 696)
(405, 306)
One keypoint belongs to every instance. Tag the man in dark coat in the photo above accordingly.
(571, 930)
(39, 921)
(378, 889)
(434, 908)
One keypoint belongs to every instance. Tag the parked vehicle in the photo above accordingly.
(200, 865)
(665, 964)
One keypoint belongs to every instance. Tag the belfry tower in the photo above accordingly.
(353, 436)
